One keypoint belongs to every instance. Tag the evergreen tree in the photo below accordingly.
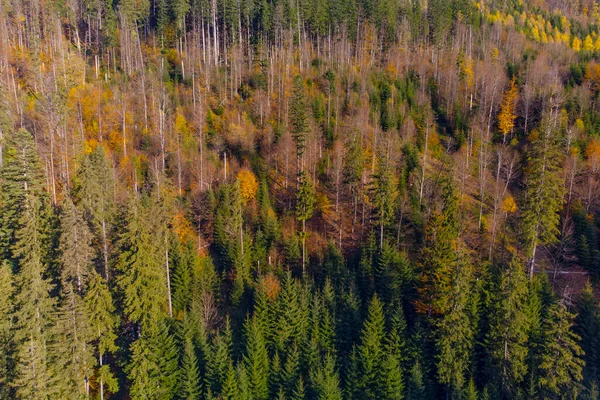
(153, 369)
(256, 361)
(103, 323)
(34, 308)
(298, 120)
(219, 359)
(140, 264)
(75, 241)
(587, 326)
(189, 385)
(509, 328)
(73, 359)
(383, 194)
(561, 364)
(544, 188)
(6, 337)
(416, 387)
(21, 177)
(371, 352)
(327, 380)
(96, 190)
(305, 204)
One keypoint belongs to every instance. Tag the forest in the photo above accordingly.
(299, 199)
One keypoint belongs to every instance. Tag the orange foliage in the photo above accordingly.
(271, 286)
(182, 228)
(592, 75)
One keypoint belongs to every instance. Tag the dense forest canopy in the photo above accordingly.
(299, 199)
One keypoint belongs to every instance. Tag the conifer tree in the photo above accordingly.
(561, 364)
(298, 121)
(103, 323)
(21, 177)
(75, 241)
(383, 194)
(305, 204)
(416, 387)
(371, 352)
(587, 326)
(95, 188)
(73, 359)
(439, 258)
(189, 385)
(544, 188)
(327, 380)
(219, 359)
(153, 369)
(230, 386)
(6, 339)
(140, 264)
(256, 361)
(510, 327)
(34, 307)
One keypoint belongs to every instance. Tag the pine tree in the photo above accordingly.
(509, 328)
(561, 364)
(34, 307)
(230, 389)
(103, 323)
(256, 360)
(394, 347)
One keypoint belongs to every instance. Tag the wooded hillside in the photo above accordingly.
(285, 199)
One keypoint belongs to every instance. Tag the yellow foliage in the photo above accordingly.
(509, 205)
(182, 228)
(506, 118)
(248, 184)
(588, 43)
(576, 45)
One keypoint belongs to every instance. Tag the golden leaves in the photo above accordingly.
(248, 184)
(506, 118)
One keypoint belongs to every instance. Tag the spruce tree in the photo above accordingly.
(75, 246)
(561, 364)
(256, 360)
(305, 205)
(34, 308)
(96, 190)
(509, 328)
(544, 189)
(6, 337)
(141, 273)
(21, 177)
(153, 369)
(327, 380)
(382, 194)
(298, 120)
(587, 326)
(190, 384)
(371, 352)
(103, 323)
